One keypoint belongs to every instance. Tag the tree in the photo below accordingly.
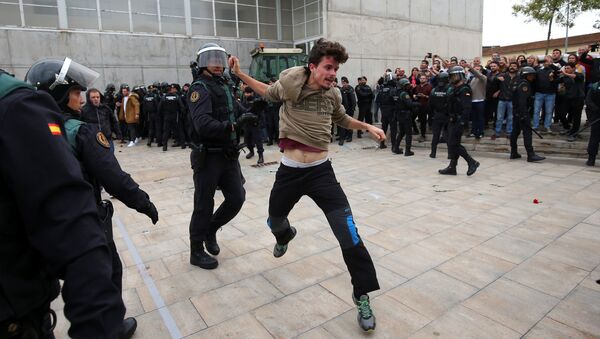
(546, 12)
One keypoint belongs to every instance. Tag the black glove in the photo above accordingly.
(150, 210)
(246, 118)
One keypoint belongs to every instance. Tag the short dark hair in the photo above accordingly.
(572, 65)
(513, 63)
(556, 49)
(92, 90)
(494, 62)
(425, 61)
(324, 48)
(344, 79)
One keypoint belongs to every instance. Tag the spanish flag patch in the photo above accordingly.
(54, 129)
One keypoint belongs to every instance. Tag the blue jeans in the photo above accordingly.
(546, 99)
(477, 117)
(504, 108)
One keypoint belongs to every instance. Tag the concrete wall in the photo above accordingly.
(134, 59)
(380, 34)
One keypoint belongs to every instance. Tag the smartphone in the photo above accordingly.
(429, 55)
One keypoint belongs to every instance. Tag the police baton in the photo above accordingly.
(534, 131)
(586, 127)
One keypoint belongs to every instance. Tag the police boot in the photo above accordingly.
(270, 142)
(127, 328)
(382, 145)
(408, 152)
(184, 145)
(532, 157)
(165, 147)
(515, 155)
(149, 144)
(211, 244)
(433, 153)
(359, 134)
(200, 258)
(397, 150)
(261, 160)
(591, 161)
(451, 169)
(250, 155)
(473, 165)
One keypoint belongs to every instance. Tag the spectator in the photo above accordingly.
(532, 61)
(545, 94)
(557, 57)
(478, 88)
(491, 93)
(579, 68)
(421, 94)
(130, 110)
(400, 73)
(477, 62)
(574, 96)
(97, 113)
(521, 61)
(507, 82)
(503, 64)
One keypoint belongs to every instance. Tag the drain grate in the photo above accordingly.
(264, 164)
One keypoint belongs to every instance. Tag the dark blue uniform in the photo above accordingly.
(171, 108)
(150, 107)
(402, 120)
(438, 105)
(49, 227)
(214, 157)
(522, 100)
(592, 103)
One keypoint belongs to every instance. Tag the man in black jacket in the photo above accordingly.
(98, 113)
(592, 101)
(364, 96)
(545, 93)
(349, 102)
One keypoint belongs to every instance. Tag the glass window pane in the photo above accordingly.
(115, 5)
(172, 7)
(11, 1)
(145, 23)
(286, 4)
(112, 21)
(82, 18)
(286, 17)
(81, 3)
(312, 28)
(268, 32)
(202, 27)
(312, 11)
(286, 33)
(174, 25)
(143, 6)
(269, 3)
(40, 2)
(227, 1)
(248, 30)
(299, 32)
(201, 9)
(267, 16)
(10, 15)
(226, 28)
(297, 4)
(224, 11)
(247, 2)
(41, 16)
(247, 13)
(299, 16)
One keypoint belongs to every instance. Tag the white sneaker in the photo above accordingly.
(137, 139)
(131, 144)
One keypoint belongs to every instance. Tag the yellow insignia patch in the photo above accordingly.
(102, 140)
(195, 96)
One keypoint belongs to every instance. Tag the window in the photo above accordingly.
(114, 15)
(226, 28)
(144, 16)
(82, 14)
(202, 17)
(172, 16)
(10, 14)
(40, 13)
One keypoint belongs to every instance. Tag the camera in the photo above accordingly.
(429, 55)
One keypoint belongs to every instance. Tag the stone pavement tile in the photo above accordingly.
(548, 276)
(512, 212)
(418, 209)
(587, 207)
(250, 243)
(316, 333)
(394, 320)
(452, 242)
(413, 260)
(185, 285)
(462, 322)
(301, 274)
(341, 287)
(242, 327)
(305, 246)
(593, 219)
(432, 293)
(548, 328)
(247, 265)
(592, 281)
(235, 299)
(397, 237)
(145, 298)
(578, 247)
(186, 317)
(512, 304)
(432, 223)
(250, 226)
(389, 218)
(537, 232)
(509, 248)
(559, 217)
(132, 302)
(300, 312)
(580, 310)
(162, 249)
(152, 326)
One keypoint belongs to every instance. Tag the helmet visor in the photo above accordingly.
(456, 77)
(212, 57)
(71, 72)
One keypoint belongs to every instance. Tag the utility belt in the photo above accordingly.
(105, 212)
(199, 152)
(39, 323)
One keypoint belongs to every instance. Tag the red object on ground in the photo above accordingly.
(535, 201)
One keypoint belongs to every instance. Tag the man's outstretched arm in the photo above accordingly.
(258, 87)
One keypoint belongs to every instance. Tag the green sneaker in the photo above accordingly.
(366, 318)
(279, 250)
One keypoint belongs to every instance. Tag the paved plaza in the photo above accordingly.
(456, 257)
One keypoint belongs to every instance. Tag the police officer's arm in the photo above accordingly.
(522, 93)
(201, 108)
(592, 101)
(101, 163)
(114, 122)
(466, 99)
(59, 212)
(352, 99)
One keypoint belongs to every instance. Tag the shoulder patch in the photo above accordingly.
(54, 129)
(102, 140)
(195, 96)
(468, 94)
(525, 89)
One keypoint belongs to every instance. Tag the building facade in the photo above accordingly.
(141, 41)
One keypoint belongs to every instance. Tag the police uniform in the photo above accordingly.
(438, 103)
(385, 101)
(402, 121)
(49, 226)
(522, 111)
(171, 108)
(592, 102)
(214, 159)
(150, 107)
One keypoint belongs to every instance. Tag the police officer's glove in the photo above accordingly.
(150, 210)
(244, 119)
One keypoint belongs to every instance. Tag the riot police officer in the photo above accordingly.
(438, 105)
(109, 96)
(522, 112)
(214, 155)
(150, 108)
(64, 80)
(402, 121)
(459, 109)
(49, 228)
(592, 103)
(385, 100)
(252, 133)
(171, 108)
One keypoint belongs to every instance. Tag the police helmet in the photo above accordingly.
(58, 77)
(211, 54)
(527, 70)
(402, 83)
(456, 74)
(156, 84)
(442, 78)
(110, 88)
(124, 86)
